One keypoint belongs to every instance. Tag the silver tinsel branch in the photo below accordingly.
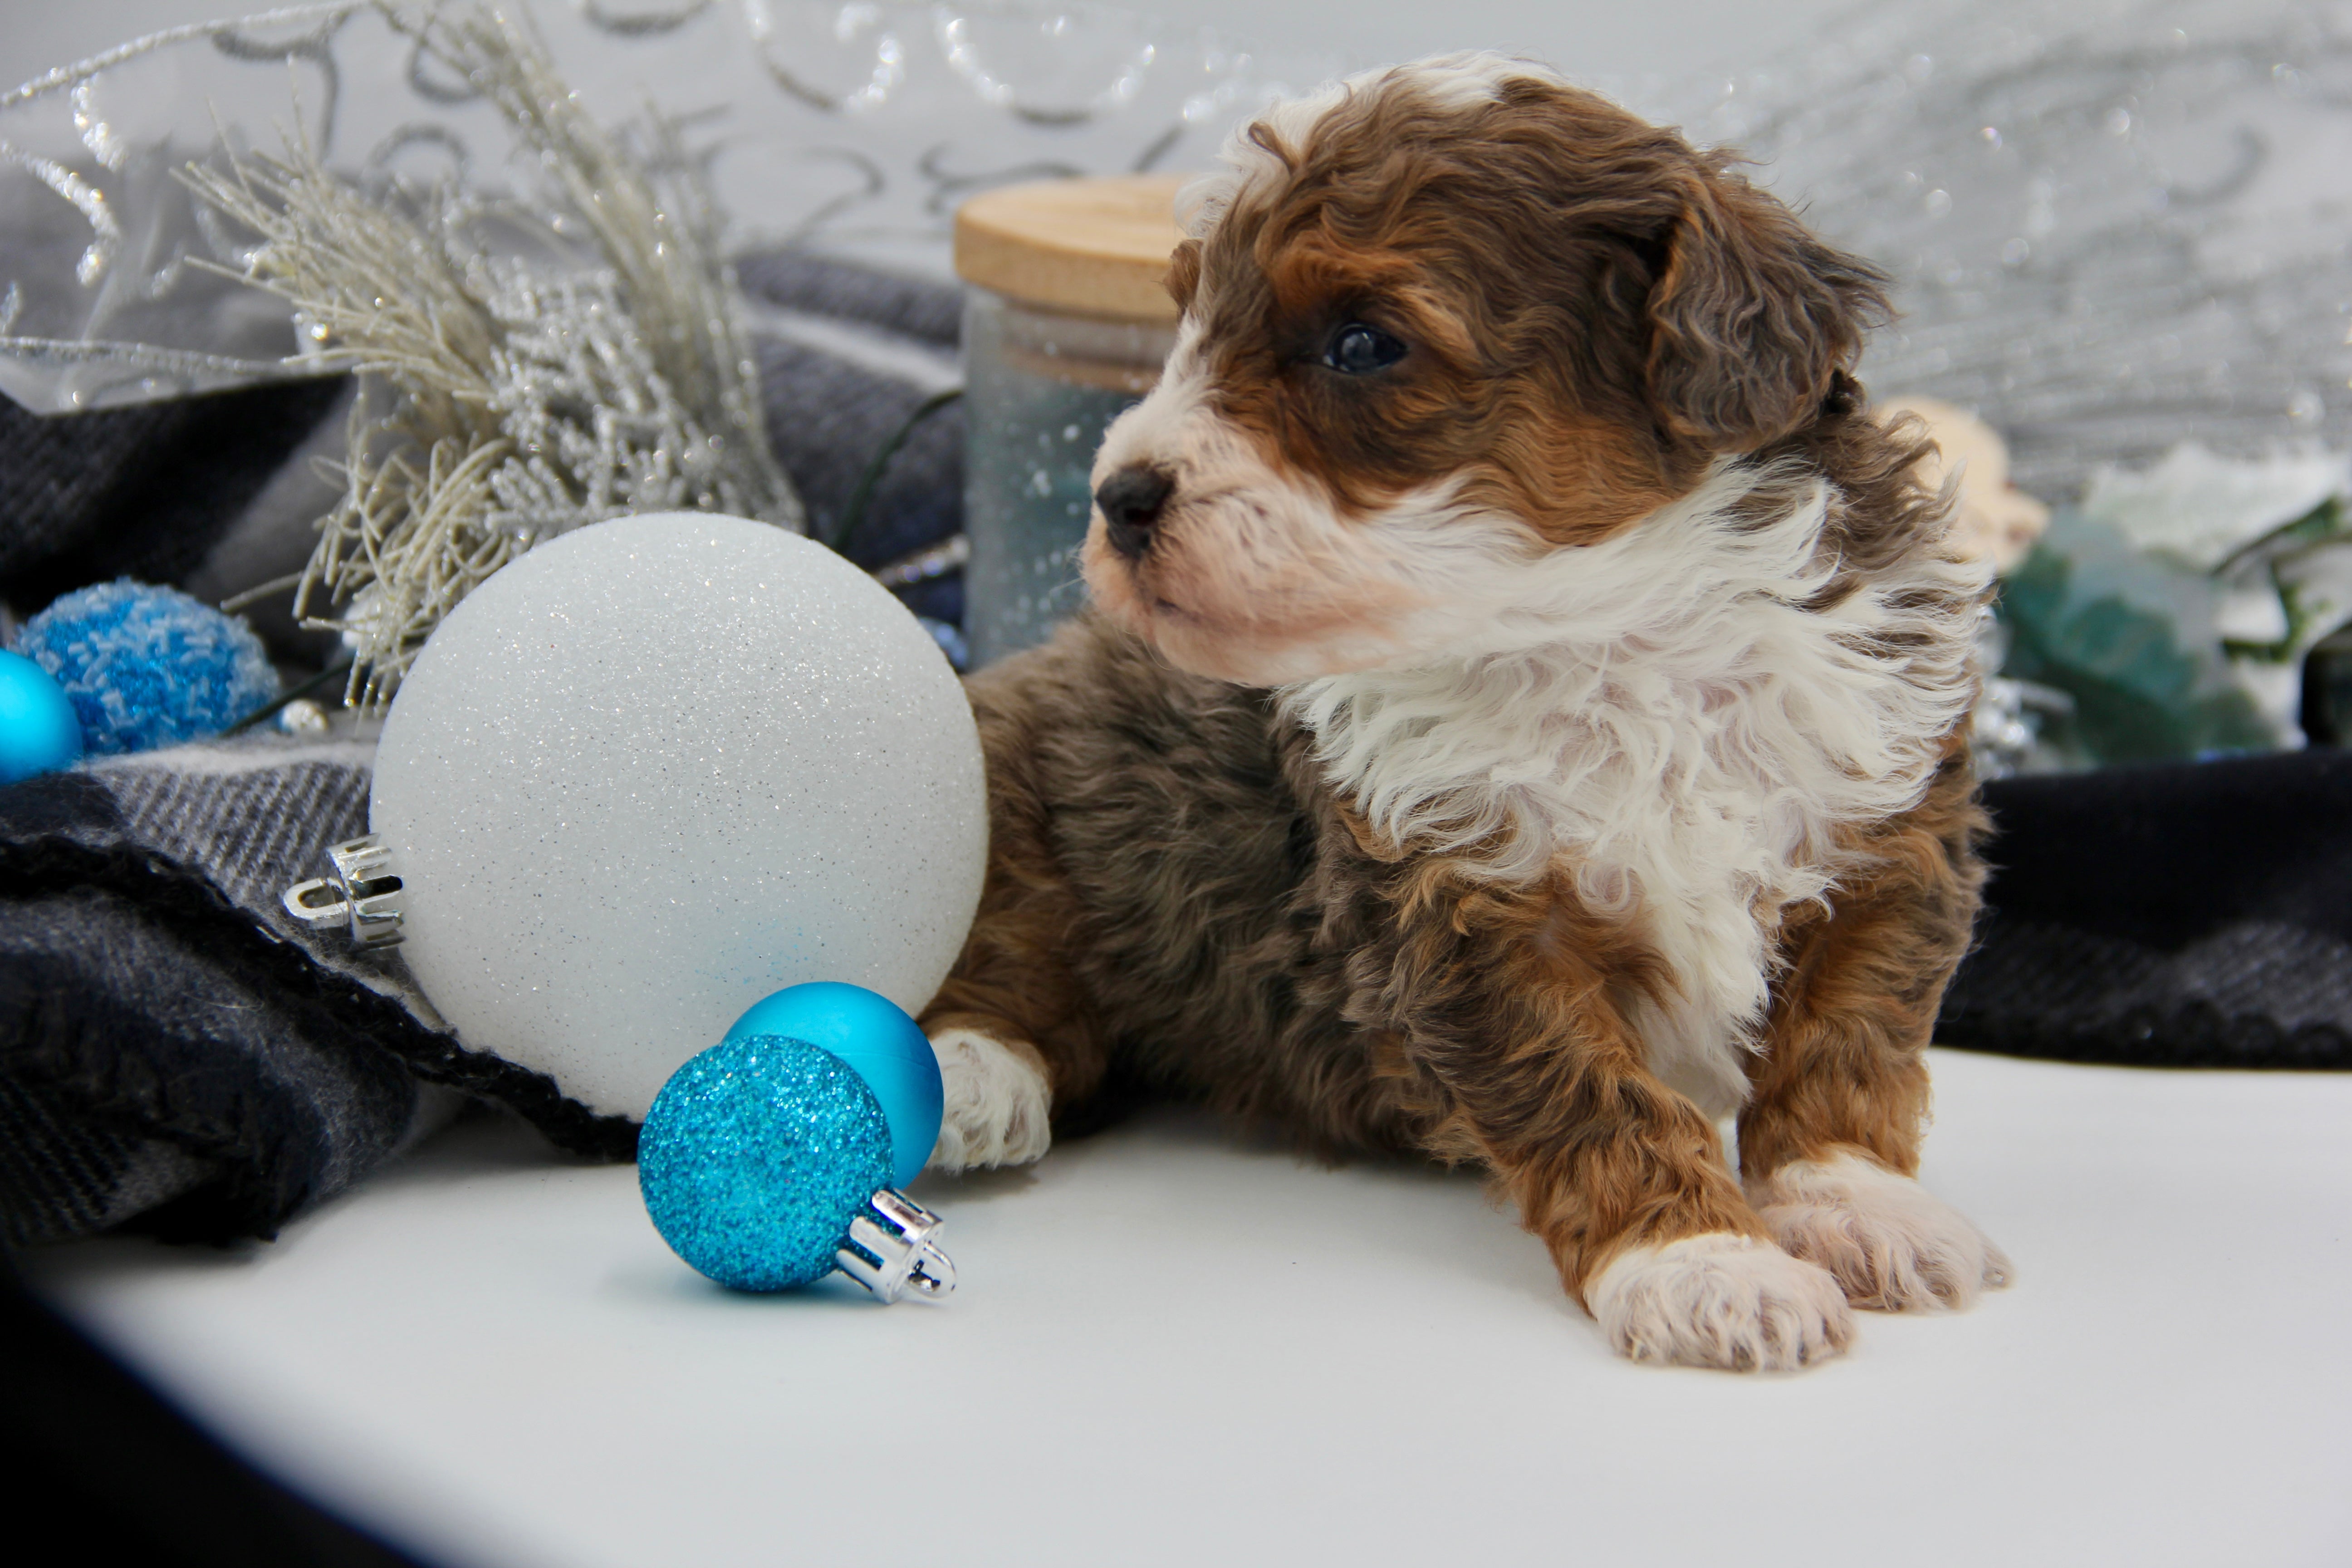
(504, 400)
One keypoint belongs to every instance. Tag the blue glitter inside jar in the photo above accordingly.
(755, 1158)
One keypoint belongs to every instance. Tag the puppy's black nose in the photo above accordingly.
(1132, 499)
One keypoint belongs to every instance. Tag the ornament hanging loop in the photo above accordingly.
(363, 893)
(899, 1255)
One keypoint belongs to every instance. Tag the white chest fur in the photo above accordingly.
(1662, 718)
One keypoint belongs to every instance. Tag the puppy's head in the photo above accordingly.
(1440, 321)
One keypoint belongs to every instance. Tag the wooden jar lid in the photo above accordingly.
(1100, 247)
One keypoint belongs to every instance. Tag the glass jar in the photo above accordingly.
(1066, 323)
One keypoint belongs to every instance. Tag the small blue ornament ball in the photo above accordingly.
(39, 731)
(876, 1037)
(147, 667)
(755, 1158)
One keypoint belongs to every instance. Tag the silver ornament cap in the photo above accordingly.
(894, 1249)
(362, 893)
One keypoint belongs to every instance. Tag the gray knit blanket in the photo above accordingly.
(177, 1046)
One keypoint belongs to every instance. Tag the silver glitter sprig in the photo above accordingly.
(504, 400)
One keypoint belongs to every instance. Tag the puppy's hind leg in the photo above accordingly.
(999, 1099)
(1011, 1025)
(1016, 1042)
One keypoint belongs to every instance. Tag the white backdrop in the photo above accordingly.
(1586, 39)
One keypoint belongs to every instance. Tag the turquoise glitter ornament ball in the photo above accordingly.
(874, 1037)
(757, 1155)
(147, 667)
(39, 731)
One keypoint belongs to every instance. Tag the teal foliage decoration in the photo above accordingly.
(2129, 635)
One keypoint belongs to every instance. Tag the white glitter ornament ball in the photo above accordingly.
(659, 768)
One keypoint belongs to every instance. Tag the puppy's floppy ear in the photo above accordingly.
(1751, 317)
(1185, 273)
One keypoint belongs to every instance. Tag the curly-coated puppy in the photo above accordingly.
(1520, 718)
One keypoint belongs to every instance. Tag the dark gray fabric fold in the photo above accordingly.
(171, 1043)
(2189, 914)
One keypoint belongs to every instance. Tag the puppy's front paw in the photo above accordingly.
(998, 1103)
(1892, 1244)
(1721, 1300)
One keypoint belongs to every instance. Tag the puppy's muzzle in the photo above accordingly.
(1131, 500)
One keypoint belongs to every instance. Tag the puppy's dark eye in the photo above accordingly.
(1358, 350)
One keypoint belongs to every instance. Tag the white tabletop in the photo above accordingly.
(1172, 1347)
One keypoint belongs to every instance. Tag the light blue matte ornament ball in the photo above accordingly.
(757, 1155)
(874, 1036)
(39, 731)
(147, 667)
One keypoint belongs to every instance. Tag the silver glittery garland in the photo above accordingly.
(507, 398)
